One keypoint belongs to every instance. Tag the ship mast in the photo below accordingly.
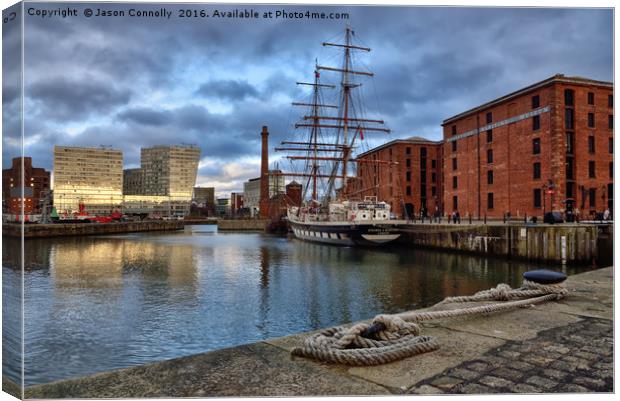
(346, 102)
(344, 140)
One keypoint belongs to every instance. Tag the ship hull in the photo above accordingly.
(346, 234)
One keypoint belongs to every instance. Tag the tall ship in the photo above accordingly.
(335, 208)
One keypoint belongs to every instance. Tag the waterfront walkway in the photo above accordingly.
(564, 346)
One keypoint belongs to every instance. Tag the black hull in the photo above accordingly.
(347, 235)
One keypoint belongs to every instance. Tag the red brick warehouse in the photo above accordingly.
(36, 183)
(411, 179)
(538, 149)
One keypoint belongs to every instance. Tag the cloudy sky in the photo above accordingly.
(131, 82)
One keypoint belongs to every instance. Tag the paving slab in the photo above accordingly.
(454, 348)
(250, 370)
(520, 324)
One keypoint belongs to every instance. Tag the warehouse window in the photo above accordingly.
(408, 150)
(423, 152)
(570, 168)
(455, 202)
(489, 177)
(611, 169)
(568, 97)
(535, 101)
(408, 176)
(455, 182)
(454, 163)
(408, 190)
(536, 123)
(454, 146)
(536, 146)
(490, 156)
(408, 162)
(489, 117)
(591, 147)
(490, 200)
(536, 171)
(570, 142)
(433, 163)
(591, 169)
(592, 196)
(433, 177)
(569, 118)
(591, 120)
(591, 98)
(610, 122)
(489, 136)
(570, 189)
(610, 101)
(537, 198)
(433, 191)
(454, 130)
(611, 145)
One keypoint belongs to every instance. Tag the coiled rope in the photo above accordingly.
(392, 337)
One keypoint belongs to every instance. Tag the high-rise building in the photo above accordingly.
(170, 170)
(90, 176)
(133, 181)
(548, 146)
(164, 183)
(35, 184)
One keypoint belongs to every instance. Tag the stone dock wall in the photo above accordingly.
(566, 243)
(61, 230)
(242, 225)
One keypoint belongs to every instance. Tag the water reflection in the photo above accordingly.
(99, 303)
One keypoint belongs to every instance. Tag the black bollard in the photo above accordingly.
(544, 276)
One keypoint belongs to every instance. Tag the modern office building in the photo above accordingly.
(35, 185)
(170, 170)
(544, 147)
(133, 181)
(204, 196)
(222, 207)
(406, 173)
(89, 176)
(164, 183)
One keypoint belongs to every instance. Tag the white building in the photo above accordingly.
(251, 191)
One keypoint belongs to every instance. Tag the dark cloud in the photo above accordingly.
(74, 99)
(429, 62)
(227, 89)
(145, 116)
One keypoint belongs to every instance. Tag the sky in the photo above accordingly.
(132, 82)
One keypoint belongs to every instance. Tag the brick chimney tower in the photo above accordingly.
(264, 174)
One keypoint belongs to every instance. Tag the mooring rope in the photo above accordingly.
(392, 337)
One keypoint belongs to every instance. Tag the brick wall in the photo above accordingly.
(513, 182)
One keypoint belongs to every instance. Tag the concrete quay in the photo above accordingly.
(73, 229)
(562, 346)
